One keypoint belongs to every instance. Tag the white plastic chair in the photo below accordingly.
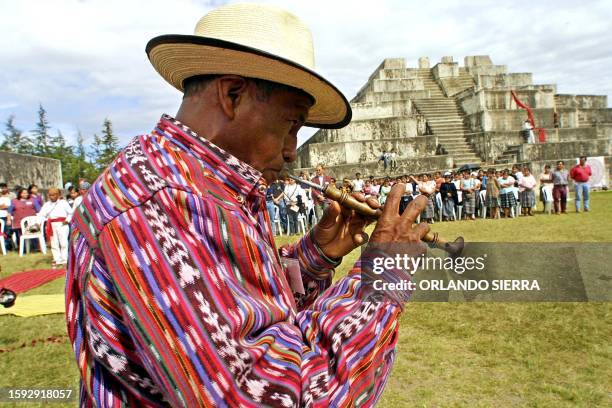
(301, 223)
(2, 247)
(277, 222)
(439, 205)
(27, 236)
(483, 208)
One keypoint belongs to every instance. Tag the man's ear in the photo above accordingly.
(231, 91)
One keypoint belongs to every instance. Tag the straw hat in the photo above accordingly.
(255, 41)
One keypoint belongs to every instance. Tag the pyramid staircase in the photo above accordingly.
(446, 119)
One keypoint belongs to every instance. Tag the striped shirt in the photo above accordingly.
(175, 293)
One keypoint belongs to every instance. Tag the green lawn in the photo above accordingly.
(449, 354)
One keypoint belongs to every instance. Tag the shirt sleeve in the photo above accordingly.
(210, 313)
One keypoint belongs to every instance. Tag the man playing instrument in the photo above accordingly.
(176, 294)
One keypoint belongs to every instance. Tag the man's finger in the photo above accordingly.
(393, 200)
(372, 202)
(330, 215)
(415, 207)
(422, 229)
(359, 197)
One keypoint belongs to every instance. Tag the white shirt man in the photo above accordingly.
(358, 183)
(528, 129)
(57, 214)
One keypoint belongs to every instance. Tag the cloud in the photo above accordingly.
(85, 60)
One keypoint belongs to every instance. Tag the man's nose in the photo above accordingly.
(290, 149)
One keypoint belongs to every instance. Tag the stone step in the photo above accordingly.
(443, 121)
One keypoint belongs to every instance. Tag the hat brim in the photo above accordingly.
(178, 57)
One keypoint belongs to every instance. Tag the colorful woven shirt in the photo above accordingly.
(176, 294)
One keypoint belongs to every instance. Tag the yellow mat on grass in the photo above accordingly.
(35, 305)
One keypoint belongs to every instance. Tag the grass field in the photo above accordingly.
(449, 354)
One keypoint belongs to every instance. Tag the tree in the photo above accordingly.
(42, 140)
(14, 139)
(107, 146)
(85, 169)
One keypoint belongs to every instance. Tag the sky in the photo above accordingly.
(85, 60)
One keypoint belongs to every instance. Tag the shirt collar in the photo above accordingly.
(237, 174)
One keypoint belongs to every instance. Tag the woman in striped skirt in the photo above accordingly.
(506, 196)
(449, 197)
(427, 187)
(468, 186)
(527, 192)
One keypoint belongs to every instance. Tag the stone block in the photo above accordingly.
(473, 60)
(424, 63)
(447, 59)
(582, 101)
(23, 170)
(445, 70)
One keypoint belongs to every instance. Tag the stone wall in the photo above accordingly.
(381, 97)
(582, 101)
(380, 128)
(554, 151)
(23, 170)
(332, 154)
(405, 166)
(513, 80)
(369, 110)
(506, 120)
(486, 99)
(491, 145)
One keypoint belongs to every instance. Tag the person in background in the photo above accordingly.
(35, 196)
(83, 187)
(384, 157)
(308, 207)
(448, 191)
(457, 182)
(492, 196)
(527, 192)
(427, 187)
(560, 178)
(294, 199)
(347, 187)
(469, 188)
(393, 159)
(367, 189)
(21, 207)
(375, 189)
(71, 196)
(385, 189)
(271, 207)
(581, 173)
(546, 188)
(5, 204)
(438, 179)
(278, 197)
(528, 134)
(57, 213)
(407, 197)
(507, 197)
(320, 202)
(358, 183)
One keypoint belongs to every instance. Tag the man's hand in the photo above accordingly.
(393, 227)
(341, 230)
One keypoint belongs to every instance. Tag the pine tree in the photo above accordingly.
(109, 145)
(85, 169)
(14, 139)
(42, 140)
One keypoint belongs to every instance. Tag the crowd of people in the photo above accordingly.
(490, 193)
(52, 216)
